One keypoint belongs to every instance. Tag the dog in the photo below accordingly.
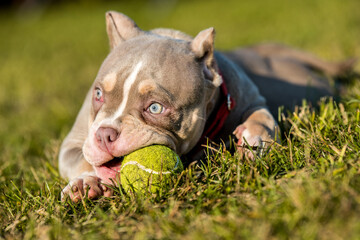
(165, 87)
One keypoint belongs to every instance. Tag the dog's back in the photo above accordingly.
(285, 76)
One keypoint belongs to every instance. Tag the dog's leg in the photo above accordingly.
(257, 131)
(83, 180)
(72, 164)
(272, 50)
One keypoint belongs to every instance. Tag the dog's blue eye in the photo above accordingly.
(98, 94)
(156, 108)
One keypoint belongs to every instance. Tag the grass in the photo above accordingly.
(306, 188)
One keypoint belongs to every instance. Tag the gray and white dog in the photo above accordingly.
(165, 87)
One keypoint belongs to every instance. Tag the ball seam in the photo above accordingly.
(142, 167)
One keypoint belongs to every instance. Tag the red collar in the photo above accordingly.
(217, 118)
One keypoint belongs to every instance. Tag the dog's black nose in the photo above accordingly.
(105, 137)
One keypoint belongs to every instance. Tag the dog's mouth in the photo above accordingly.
(114, 164)
(109, 171)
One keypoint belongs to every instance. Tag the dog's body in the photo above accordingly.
(161, 87)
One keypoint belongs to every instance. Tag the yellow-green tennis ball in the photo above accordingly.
(149, 168)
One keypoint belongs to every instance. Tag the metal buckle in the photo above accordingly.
(228, 102)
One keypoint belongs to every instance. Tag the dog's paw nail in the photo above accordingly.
(104, 188)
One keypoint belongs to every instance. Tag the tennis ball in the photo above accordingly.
(149, 168)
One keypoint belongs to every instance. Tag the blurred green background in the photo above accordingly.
(50, 52)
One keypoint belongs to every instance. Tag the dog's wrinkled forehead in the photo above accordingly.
(160, 61)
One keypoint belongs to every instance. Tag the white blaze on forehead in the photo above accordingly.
(126, 89)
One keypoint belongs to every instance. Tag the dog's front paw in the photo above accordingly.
(246, 139)
(86, 185)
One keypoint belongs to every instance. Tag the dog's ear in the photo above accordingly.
(203, 43)
(120, 28)
(203, 47)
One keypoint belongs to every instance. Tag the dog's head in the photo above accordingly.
(151, 89)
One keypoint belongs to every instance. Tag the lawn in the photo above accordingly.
(307, 187)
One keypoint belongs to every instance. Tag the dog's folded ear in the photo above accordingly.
(120, 28)
(203, 43)
(203, 48)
